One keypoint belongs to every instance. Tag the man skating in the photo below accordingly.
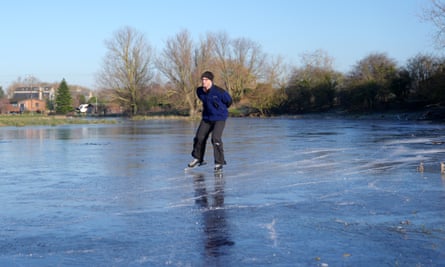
(215, 103)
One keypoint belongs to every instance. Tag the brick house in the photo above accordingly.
(26, 105)
(28, 99)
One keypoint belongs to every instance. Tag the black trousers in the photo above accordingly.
(200, 140)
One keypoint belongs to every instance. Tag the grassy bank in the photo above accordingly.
(29, 120)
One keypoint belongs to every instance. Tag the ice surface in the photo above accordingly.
(295, 192)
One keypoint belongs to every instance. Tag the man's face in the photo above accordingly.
(206, 83)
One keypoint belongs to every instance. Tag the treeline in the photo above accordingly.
(142, 81)
(375, 83)
(261, 84)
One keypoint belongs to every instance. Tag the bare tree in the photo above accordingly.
(177, 64)
(240, 62)
(127, 68)
(435, 13)
(313, 85)
(316, 68)
(421, 68)
(276, 72)
(221, 43)
(204, 56)
(248, 65)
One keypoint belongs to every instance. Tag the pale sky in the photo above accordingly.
(52, 40)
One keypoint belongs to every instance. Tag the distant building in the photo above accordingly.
(26, 105)
(29, 99)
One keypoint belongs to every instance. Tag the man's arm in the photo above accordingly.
(227, 99)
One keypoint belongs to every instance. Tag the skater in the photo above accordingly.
(215, 104)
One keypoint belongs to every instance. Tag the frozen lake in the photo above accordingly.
(295, 192)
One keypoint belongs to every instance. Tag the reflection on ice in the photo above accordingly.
(216, 230)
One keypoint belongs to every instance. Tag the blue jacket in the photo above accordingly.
(215, 103)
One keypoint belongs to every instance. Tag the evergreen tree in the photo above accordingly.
(63, 99)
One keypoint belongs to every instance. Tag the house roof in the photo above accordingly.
(20, 97)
